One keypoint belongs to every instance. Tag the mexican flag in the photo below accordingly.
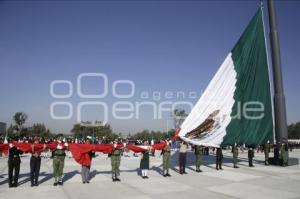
(236, 105)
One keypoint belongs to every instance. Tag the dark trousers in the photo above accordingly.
(250, 162)
(182, 162)
(218, 163)
(35, 165)
(13, 165)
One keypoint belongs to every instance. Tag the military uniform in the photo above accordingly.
(276, 154)
(58, 163)
(250, 156)
(267, 151)
(219, 159)
(144, 164)
(284, 154)
(166, 152)
(235, 152)
(14, 162)
(199, 150)
(115, 163)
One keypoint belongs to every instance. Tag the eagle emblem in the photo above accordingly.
(210, 123)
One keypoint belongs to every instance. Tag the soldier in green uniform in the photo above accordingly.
(284, 154)
(58, 160)
(115, 157)
(166, 152)
(267, 151)
(198, 157)
(235, 152)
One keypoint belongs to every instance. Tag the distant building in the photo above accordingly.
(2, 128)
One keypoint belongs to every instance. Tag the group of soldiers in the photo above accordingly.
(59, 154)
(280, 154)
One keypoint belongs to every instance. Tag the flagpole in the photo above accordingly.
(269, 69)
(281, 133)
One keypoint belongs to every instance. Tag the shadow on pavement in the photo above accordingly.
(69, 175)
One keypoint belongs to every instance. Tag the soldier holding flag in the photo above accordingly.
(14, 162)
(85, 169)
(35, 162)
(144, 164)
(59, 155)
(166, 152)
(115, 157)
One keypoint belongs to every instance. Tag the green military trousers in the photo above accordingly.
(58, 166)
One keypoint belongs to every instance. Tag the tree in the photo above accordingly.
(20, 119)
(294, 131)
(147, 135)
(10, 130)
(40, 130)
(85, 129)
(171, 133)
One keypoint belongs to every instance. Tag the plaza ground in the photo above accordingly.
(258, 182)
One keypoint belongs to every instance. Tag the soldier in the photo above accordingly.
(198, 157)
(284, 154)
(235, 152)
(267, 151)
(115, 157)
(182, 157)
(250, 156)
(58, 160)
(277, 153)
(219, 158)
(35, 162)
(85, 169)
(14, 162)
(144, 164)
(206, 151)
(166, 152)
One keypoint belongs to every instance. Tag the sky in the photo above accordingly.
(152, 52)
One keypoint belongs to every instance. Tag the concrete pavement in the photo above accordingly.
(258, 182)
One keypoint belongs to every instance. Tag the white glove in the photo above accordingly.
(10, 145)
(124, 144)
(66, 144)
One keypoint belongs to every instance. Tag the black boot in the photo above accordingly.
(168, 175)
(113, 177)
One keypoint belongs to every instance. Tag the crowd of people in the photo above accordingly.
(61, 146)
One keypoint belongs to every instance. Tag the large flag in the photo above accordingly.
(236, 106)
